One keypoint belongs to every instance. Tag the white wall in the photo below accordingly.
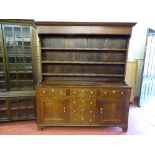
(138, 11)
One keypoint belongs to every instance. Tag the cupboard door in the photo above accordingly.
(54, 112)
(2, 65)
(18, 53)
(54, 106)
(111, 112)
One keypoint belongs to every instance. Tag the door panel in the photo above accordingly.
(111, 112)
(17, 39)
(3, 79)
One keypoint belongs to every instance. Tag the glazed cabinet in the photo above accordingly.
(17, 67)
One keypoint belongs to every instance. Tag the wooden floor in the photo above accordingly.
(141, 122)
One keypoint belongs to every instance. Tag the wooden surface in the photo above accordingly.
(83, 69)
(82, 106)
(84, 28)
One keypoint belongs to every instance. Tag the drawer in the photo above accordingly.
(113, 93)
(53, 93)
(82, 102)
(59, 92)
(83, 93)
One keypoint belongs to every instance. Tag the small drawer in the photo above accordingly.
(83, 93)
(74, 101)
(113, 93)
(61, 92)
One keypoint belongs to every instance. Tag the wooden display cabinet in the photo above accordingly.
(83, 68)
(17, 64)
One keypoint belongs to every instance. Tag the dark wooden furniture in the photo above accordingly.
(83, 71)
(17, 65)
(17, 105)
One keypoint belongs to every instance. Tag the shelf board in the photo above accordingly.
(93, 75)
(20, 63)
(16, 72)
(83, 62)
(83, 49)
(21, 80)
(29, 107)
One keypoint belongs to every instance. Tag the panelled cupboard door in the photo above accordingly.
(111, 112)
(18, 55)
(54, 106)
(2, 64)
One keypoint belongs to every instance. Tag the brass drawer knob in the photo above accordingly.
(64, 110)
(44, 91)
(52, 90)
(90, 120)
(82, 110)
(82, 118)
(114, 91)
(122, 93)
(74, 119)
(74, 102)
(82, 91)
(74, 92)
(91, 102)
(91, 111)
(101, 108)
(64, 107)
(74, 111)
(91, 92)
(105, 92)
(82, 101)
(101, 112)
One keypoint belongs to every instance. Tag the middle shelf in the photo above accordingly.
(81, 62)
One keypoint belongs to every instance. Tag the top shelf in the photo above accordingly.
(83, 49)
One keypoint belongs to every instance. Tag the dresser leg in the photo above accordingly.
(125, 128)
(39, 127)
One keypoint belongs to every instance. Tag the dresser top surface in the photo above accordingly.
(83, 84)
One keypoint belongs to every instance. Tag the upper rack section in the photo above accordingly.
(89, 28)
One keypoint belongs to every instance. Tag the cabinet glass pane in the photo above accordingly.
(1, 76)
(19, 59)
(18, 41)
(18, 49)
(17, 31)
(13, 76)
(9, 41)
(21, 76)
(28, 67)
(27, 50)
(11, 59)
(27, 41)
(26, 32)
(8, 31)
(10, 49)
